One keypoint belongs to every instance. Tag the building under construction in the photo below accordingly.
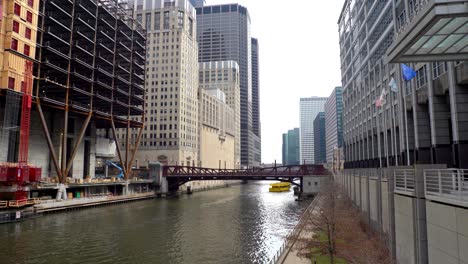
(89, 76)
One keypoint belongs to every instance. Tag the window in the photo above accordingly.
(157, 21)
(27, 33)
(166, 20)
(148, 21)
(11, 83)
(16, 26)
(421, 77)
(14, 44)
(438, 68)
(140, 18)
(29, 17)
(26, 50)
(17, 10)
(31, 3)
(180, 19)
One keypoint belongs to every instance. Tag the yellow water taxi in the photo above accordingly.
(280, 187)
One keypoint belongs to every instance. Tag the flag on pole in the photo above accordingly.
(381, 100)
(393, 85)
(408, 72)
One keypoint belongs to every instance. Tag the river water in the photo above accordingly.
(239, 224)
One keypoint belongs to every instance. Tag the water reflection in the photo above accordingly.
(241, 224)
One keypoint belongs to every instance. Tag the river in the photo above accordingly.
(240, 224)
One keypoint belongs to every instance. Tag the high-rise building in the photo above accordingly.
(223, 33)
(256, 124)
(171, 132)
(320, 151)
(308, 109)
(224, 75)
(291, 147)
(334, 122)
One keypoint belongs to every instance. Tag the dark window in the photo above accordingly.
(27, 33)
(11, 83)
(26, 50)
(29, 17)
(207, 10)
(233, 8)
(31, 3)
(16, 26)
(225, 8)
(216, 9)
(14, 44)
(17, 10)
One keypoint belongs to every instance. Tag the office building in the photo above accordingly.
(402, 130)
(320, 151)
(171, 132)
(291, 147)
(256, 125)
(197, 3)
(308, 110)
(224, 75)
(223, 33)
(334, 123)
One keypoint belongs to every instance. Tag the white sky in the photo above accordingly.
(299, 57)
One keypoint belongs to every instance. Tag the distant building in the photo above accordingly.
(291, 147)
(217, 130)
(320, 153)
(223, 33)
(309, 108)
(224, 75)
(197, 3)
(334, 122)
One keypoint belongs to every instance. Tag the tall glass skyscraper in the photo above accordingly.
(334, 122)
(291, 147)
(223, 33)
(320, 156)
(309, 108)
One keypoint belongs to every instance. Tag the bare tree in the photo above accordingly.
(332, 226)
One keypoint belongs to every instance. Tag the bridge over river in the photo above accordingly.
(172, 177)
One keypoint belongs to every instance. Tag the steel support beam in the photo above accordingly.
(77, 144)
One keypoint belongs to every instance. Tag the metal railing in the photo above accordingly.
(447, 185)
(404, 181)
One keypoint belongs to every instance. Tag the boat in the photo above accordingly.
(280, 187)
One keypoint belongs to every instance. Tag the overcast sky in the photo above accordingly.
(299, 57)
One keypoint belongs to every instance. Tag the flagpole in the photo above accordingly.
(395, 148)
(406, 127)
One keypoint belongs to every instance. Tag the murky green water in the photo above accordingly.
(240, 224)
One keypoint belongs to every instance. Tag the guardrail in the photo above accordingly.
(447, 185)
(404, 181)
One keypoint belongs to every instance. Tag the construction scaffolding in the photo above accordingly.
(91, 65)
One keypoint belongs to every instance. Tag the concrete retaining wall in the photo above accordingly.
(417, 230)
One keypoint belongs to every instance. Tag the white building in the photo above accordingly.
(171, 132)
(308, 109)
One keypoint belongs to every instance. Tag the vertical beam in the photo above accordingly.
(77, 143)
(117, 144)
(137, 144)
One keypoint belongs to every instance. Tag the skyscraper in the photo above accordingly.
(223, 33)
(291, 147)
(320, 155)
(171, 133)
(309, 108)
(256, 125)
(334, 122)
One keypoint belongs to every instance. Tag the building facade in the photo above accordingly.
(334, 123)
(223, 33)
(171, 132)
(224, 75)
(217, 130)
(256, 125)
(320, 149)
(291, 147)
(308, 110)
(415, 131)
